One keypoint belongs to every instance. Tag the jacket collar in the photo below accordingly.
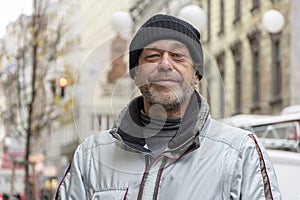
(128, 127)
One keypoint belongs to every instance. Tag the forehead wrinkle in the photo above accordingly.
(168, 45)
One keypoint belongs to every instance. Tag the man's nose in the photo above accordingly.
(165, 61)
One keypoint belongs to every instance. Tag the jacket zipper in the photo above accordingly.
(158, 178)
(149, 162)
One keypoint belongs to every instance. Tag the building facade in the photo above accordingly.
(248, 70)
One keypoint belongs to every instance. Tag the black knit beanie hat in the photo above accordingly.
(166, 27)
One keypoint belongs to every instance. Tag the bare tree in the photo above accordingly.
(30, 94)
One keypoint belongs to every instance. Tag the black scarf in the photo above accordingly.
(130, 128)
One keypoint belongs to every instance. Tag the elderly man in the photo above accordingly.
(165, 145)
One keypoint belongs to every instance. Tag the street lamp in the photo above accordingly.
(273, 21)
(62, 83)
(195, 15)
(122, 21)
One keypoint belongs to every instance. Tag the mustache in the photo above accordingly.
(157, 76)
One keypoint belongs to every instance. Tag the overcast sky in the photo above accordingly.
(10, 10)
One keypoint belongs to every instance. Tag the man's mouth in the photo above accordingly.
(165, 80)
(165, 83)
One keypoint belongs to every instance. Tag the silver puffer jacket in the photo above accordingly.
(206, 160)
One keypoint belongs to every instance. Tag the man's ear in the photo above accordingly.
(196, 78)
(196, 81)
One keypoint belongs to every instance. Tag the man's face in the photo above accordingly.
(165, 74)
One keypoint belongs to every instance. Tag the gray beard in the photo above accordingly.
(171, 102)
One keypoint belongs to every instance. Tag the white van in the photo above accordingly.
(281, 136)
(287, 167)
(276, 132)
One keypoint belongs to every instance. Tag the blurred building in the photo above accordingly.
(49, 116)
(248, 69)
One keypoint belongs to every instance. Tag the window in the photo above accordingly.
(102, 122)
(255, 5)
(220, 58)
(237, 11)
(222, 18)
(254, 39)
(276, 68)
(208, 81)
(236, 51)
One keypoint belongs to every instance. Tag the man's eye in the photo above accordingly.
(178, 56)
(152, 57)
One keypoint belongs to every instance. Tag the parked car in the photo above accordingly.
(275, 131)
(287, 167)
(280, 134)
